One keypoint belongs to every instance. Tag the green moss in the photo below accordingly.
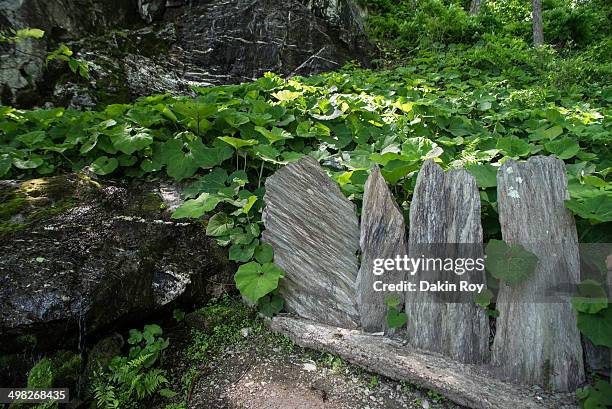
(61, 370)
(41, 374)
(35, 199)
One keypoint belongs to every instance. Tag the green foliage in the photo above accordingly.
(510, 263)
(76, 65)
(128, 380)
(15, 36)
(225, 318)
(395, 318)
(598, 396)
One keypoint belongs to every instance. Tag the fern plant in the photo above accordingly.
(129, 380)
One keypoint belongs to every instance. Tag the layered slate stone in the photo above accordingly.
(382, 237)
(445, 222)
(314, 231)
(537, 340)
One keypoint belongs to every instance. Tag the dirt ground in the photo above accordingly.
(261, 376)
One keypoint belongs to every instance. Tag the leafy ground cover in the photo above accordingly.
(465, 91)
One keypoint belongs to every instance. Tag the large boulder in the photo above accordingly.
(138, 47)
(80, 256)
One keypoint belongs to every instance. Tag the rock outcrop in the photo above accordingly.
(138, 47)
(79, 256)
(314, 231)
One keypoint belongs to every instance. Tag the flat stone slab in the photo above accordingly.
(445, 222)
(383, 236)
(314, 231)
(537, 340)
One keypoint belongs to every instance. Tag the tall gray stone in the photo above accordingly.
(382, 237)
(537, 340)
(445, 222)
(314, 231)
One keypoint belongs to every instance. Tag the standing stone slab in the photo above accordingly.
(445, 210)
(382, 237)
(537, 340)
(314, 231)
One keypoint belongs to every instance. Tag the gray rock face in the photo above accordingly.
(444, 220)
(537, 340)
(382, 236)
(78, 256)
(184, 44)
(314, 231)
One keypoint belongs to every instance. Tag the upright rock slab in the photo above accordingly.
(382, 237)
(314, 231)
(445, 222)
(537, 340)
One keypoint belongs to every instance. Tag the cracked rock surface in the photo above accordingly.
(139, 47)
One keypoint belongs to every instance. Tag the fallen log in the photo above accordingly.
(468, 385)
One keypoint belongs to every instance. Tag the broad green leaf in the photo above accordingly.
(211, 183)
(219, 225)
(483, 298)
(266, 152)
(563, 148)
(597, 208)
(398, 169)
(237, 142)
(30, 33)
(270, 305)
(264, 253)
(549, 133)
(513, 146)
(275, 135)
(249, 204)
(104, 165)
(512, 264)
(31, 163)
(485, 174)
(129, 140)
(286, 95)
(255, 280)
(242, 253)
(196, 208)
(396, 319)
(31, 139)
(591, 297)
(597, 327)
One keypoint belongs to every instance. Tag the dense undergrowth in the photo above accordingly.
(465, 91)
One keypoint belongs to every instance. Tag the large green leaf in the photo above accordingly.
(485, 174)
(255, 280)
(597, 208)
(196, 208)
(514, 147)
(563, 148)
(591, 297)
(104, 165)
(219, 225)
(237, 142)
(597, 327)
(129, 140)
(512, 264)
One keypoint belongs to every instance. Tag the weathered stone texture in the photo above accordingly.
(445, 209)
(78, 255)
(383, 234)
(314, 231)
(537, 340)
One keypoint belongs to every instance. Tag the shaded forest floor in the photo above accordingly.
(238, 363)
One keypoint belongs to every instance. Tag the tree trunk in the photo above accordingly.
(475, 7)
(538, 30)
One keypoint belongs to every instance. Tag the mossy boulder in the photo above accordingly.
(80, 255)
